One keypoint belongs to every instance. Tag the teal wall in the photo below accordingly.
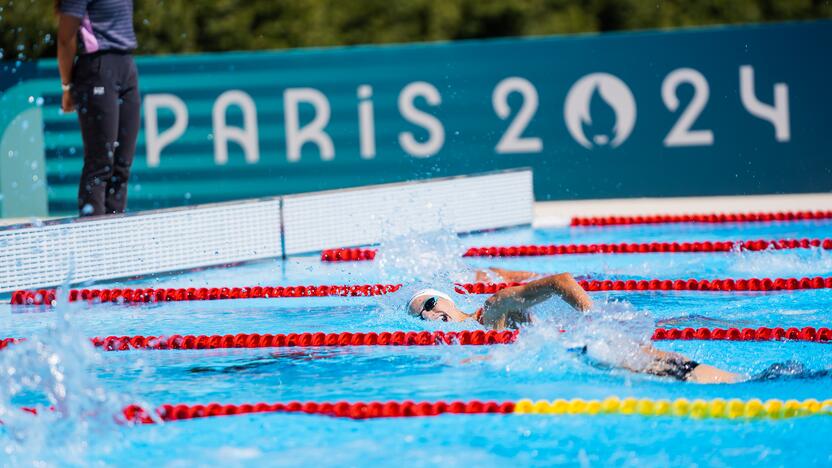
(595, 117)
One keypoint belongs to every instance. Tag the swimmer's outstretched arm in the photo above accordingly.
(507, 308)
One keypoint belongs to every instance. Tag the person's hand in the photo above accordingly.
(481, 277)
(66, 102)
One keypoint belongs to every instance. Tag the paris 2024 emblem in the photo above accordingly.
(600, 111)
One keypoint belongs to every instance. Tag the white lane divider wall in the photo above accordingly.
(346, 218)
(138, 244)
(144, 243)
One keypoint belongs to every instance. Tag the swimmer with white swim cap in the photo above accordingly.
(426, 305)
(509, 309)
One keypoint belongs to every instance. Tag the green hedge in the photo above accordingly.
(175, 26)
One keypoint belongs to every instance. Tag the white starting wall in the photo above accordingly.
(109, 247)
(89, 249)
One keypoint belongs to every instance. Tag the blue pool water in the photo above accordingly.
(86, 386)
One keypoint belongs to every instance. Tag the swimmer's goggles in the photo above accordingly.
(430, 303)
(428, 306)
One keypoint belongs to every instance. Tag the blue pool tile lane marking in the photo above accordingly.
(128, 295)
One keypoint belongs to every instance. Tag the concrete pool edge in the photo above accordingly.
(560, 213)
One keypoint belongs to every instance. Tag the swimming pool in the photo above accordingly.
(91, 386)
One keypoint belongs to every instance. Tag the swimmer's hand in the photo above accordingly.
(474, 359)
(511, 276)
(481, 276)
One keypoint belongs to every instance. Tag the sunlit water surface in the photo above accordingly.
(57, 367)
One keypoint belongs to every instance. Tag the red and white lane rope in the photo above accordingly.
(702, 218)
(354, 255)
(423, 338)
(139, 295)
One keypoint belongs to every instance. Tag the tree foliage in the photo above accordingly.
(27, 27)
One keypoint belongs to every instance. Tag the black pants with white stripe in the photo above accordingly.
(105, 90)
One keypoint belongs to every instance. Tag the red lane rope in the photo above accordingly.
(821, 335)
(423, 338)
(391, 409)
(352, 255)
(728, 284)
(347, 255)
(301, 340)
(701, 218)
(128, 295)
(648, 247)
(138, 295)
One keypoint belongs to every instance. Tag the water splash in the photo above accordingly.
(52, 372)
(737, 264)
(611, 334)
(786, 263)
(420, 260)
(421, 255)
(425, 258)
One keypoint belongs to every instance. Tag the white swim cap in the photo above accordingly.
(428, 292)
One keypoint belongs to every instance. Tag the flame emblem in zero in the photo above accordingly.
(600, 110)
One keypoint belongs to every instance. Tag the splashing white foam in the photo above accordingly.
(784, 263)
(425, 257)
(421, 256)
(613, 334)
(52, 372)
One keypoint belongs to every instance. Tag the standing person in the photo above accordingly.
(101, 83)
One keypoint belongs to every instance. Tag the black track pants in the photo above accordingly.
(105, 90)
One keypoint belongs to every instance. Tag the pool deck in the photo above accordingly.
(558, 213)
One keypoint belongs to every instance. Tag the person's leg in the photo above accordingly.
(668, 364)
(97, 107)
(791, 370)
(128, 130)
(706, 374)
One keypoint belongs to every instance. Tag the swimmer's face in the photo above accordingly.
(430, 307)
